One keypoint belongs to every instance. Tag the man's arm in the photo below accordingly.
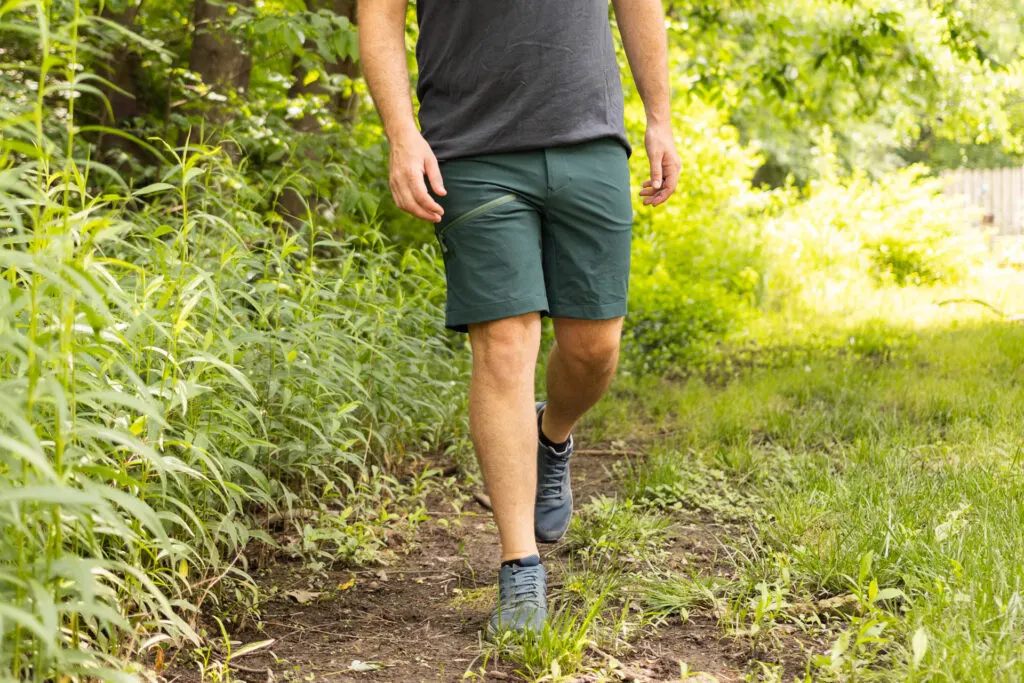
(642, 25)
(382, 52)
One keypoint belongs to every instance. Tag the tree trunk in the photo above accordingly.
(122, 94)
(290, 204)
(219, 58)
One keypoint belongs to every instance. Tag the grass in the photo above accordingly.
(594, 615)
(608, 527)
(675, 595)
(669, 479)
(909, 463)
(557, 653)
(870, 491)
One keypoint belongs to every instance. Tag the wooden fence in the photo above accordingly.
(997, 193)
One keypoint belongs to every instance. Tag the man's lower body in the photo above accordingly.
(526, 234)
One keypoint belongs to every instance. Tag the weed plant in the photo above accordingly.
(172, 364)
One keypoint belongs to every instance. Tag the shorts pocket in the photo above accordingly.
(442, 233)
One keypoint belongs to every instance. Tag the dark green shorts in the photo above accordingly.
(545, 230)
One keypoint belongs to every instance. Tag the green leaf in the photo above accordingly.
(310, 77)
(919, 646)
(865, 566)
(888, 594)
(251, 647)
(151, 189)
(138, 426)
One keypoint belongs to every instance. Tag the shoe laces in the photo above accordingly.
(555, 469)
(524, 586)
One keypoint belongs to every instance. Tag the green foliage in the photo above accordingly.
(672, 480)
(558, 651)
(887, 77)
(723, 254)
(674, 595)
(614, 528)
(171, 365)
(899, 229)
(181, 359)
(692, 279)
(891, 496)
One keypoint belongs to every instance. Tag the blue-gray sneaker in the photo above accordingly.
(552, 508)
(522, 599)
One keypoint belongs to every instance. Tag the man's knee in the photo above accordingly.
(506, 349)
(594, 355)
(593, 348)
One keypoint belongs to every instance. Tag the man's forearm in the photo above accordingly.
(382, 52)
(642, 25)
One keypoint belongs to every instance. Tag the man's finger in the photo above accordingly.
(658, 198)
(434, 176)
(670, 179)
(422, 198)
(672, 176)
(669, 187)
(656, 173)
(408, 203)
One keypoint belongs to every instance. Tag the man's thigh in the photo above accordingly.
(490, 238)
(587, 232)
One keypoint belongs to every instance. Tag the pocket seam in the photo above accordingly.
(471, 214)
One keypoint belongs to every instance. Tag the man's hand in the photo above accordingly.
(382, 54)
(642, 25)
(661, 150)
(411, 160)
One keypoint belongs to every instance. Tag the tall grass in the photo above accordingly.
(171, 364)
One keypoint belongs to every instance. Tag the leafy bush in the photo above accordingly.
(898, 229)
(920, 236)
(695, 259)
(722, 254)
(669, 330)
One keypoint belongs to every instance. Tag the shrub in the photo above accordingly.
(695, 272)
(898, 229)
(721, 254)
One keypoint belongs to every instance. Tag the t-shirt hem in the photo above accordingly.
(448, 152)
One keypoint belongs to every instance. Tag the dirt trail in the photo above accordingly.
(421, 618)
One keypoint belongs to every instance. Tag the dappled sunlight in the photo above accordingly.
(990, 293)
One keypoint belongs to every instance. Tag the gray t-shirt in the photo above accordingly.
(508, 75)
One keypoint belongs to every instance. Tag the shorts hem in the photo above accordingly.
(608, 311)
(460, 321)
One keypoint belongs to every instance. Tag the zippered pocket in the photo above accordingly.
(470, 215)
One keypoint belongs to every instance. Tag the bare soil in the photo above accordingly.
(420, 619)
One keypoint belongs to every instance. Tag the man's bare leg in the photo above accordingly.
(503, 424)
(581, 366)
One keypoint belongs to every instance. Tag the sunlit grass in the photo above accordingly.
(911, 458)
(836, 307)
